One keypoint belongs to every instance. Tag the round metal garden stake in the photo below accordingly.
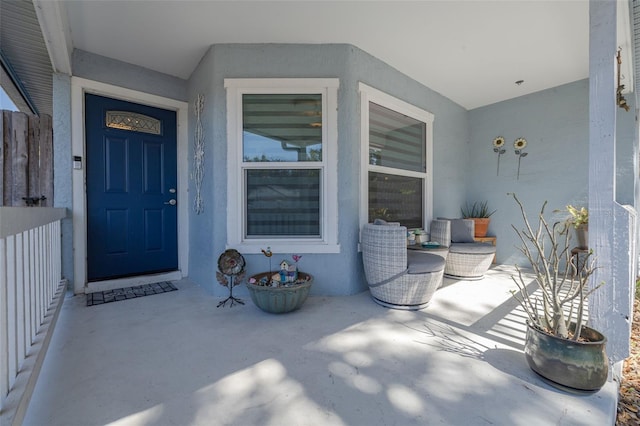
(230, 264)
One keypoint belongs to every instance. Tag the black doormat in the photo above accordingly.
(102, 297)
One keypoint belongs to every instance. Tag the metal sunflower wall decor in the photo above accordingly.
(498, 148)
(231, 264)
(520, 144)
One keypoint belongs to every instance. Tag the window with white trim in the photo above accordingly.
(396, 177)
(282, 162)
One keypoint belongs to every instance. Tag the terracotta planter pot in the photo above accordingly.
(581, 366)
(481, 225)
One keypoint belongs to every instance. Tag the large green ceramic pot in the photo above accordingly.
(279, 300)
(581, 366)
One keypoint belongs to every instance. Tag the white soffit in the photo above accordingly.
(57, 36)
(470, 51)
(22, 46)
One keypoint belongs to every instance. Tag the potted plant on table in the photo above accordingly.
(579, 220)
(480, 214)
(559, 346)
(281, 291)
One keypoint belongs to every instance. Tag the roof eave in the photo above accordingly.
(52, 17)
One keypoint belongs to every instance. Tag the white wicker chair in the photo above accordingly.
(469, 261)
(397, 279)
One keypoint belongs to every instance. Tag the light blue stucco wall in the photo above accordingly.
(106, 70)
(555, 123)
(205, 229)
(334, 273)
(62, 163)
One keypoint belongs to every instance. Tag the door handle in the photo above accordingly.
(171, 202)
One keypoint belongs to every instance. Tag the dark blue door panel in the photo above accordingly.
(131, 177)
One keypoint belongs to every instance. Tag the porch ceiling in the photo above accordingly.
(473, 52)
(470, 51)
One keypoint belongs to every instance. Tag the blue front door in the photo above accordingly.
(131, 189)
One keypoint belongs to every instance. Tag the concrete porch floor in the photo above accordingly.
(176, 359)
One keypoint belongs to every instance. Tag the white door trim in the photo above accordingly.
(80, 86)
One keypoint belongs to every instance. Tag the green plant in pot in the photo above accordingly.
(480, 213)
(579, 220)
(559, 346)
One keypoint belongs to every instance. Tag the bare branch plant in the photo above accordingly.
(563, 284)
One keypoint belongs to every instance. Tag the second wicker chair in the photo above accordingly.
(466, 259)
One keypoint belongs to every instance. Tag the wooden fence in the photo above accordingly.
(26, 159)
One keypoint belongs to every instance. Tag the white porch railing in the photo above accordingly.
(30, 286)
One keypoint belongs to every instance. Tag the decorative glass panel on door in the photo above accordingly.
(125, 120)
(283, 203)
(396, 140)
(281, 127)
(396, 199)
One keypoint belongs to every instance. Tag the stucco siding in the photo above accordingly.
(555, 123)
(334, 273)
(106, 70)
(62, 159)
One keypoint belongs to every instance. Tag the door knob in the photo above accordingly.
(171, 202)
